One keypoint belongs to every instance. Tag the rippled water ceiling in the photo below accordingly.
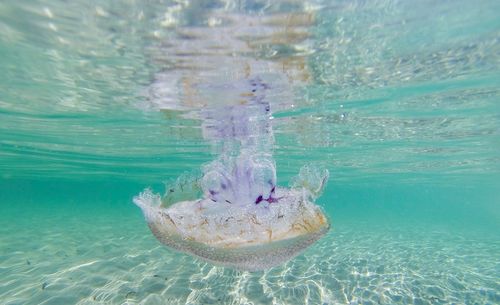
(96, 90)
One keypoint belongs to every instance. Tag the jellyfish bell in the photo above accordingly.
(252, 236)
(243, 220)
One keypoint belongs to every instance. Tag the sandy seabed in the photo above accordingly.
(63, 258)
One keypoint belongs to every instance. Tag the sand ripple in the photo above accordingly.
(89, 260)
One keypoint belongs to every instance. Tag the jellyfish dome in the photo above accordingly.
(243, 221)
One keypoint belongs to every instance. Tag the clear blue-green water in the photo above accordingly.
(399, 100)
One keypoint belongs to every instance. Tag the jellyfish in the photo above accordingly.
(242, 219)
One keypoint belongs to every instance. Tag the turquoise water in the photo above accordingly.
(397, 99)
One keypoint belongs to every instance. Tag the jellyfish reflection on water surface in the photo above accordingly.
(243, 220)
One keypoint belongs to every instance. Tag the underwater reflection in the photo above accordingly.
(243, 219)
(229, 75)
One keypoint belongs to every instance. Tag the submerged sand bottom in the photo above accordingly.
(99, 254)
